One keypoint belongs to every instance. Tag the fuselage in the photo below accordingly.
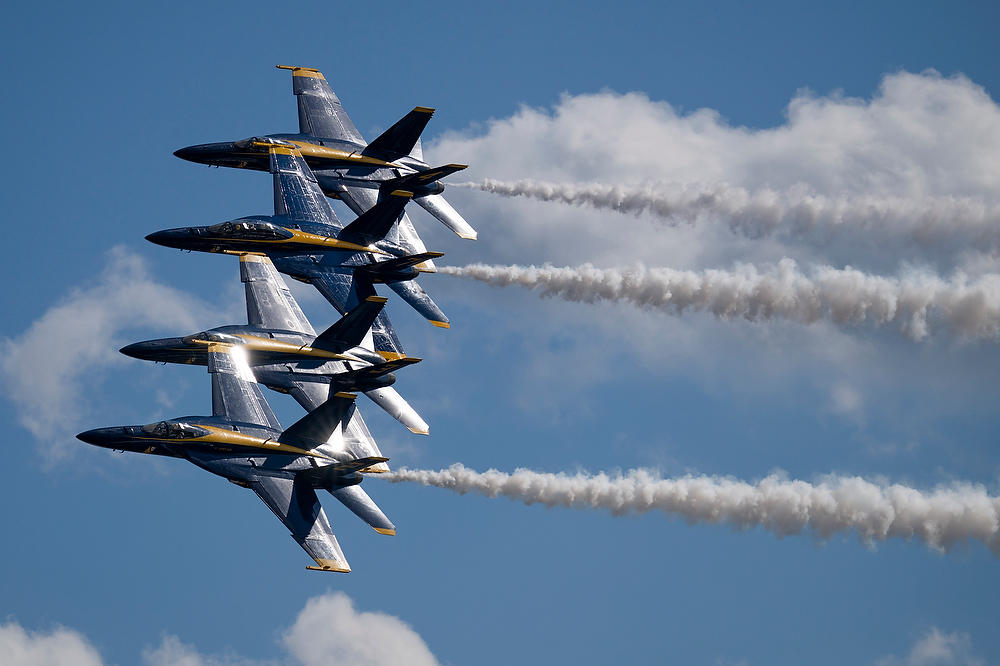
(299, 248)
(235, 451)
(279, 358)
(335, 163)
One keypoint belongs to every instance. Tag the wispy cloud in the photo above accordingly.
(937, 648)
(940, 518)
(49, 369)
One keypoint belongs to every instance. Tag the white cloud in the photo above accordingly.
(937, 648)
(49, 369)
(846, 400)
(328, 630)
(920, 138)
(59, 647)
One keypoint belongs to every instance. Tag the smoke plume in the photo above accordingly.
(940, 518)
(969, 308)
(925, 220)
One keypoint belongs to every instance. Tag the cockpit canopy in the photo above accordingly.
(250, 230)
(213, 336)
(173, 430)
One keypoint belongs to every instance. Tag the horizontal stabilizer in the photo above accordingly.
(363, 378)
(390, 266)
(328, 476)
(415, 181)
(351, 329)
(372, 225)
(358, 501)
(398, 140)
(389, 399)
(438, 206)
(414, 294)
(315, 428)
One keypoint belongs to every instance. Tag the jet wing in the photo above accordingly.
(236, 394)
(296, 505)
(296, 192)
(269, 303)
(320, 111)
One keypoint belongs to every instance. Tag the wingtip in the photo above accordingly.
(420, 431)
(330, 569)
(385, 530)
(440, 324)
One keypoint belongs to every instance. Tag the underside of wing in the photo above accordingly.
(320, 111)
(296, 192)
(297, 506)
(236, 395)
(269, 302)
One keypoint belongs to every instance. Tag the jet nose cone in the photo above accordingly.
(169, 238)
(134, 350)
(216, 154)
(97, 436)
(201, 153)
(189, 153)
(165, 349)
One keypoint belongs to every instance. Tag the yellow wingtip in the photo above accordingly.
(331, 569)
(441, 324)
(386, 531)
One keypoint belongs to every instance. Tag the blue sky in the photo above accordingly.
(154, 560)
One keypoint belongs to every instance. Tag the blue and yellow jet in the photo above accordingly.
(243, 442)
(305, 239)
(287, 356)
(346, 166)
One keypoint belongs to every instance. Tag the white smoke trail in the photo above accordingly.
(940, 518)
(970, 309)
(925, 220)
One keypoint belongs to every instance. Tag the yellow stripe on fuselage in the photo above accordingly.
(231, 437)
(255, 343)
(302, 238)
(350, 159)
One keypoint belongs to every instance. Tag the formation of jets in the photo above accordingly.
(329, 448)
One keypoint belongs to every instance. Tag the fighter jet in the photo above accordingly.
(243, 442)
(305, 239)
(347, 167)
(287, 356)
